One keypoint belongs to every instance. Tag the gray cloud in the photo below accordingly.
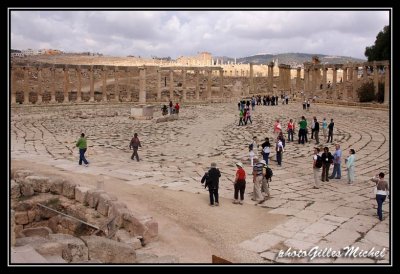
(173, 33)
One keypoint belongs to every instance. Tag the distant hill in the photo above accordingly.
(292, 59)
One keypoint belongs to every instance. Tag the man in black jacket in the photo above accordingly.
(211, 178)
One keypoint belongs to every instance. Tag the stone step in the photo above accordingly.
(25, 255)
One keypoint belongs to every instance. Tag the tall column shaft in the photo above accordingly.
(91, 76)
(270, 78)
(376, 79)
(344, 75)
(355, 82)
(129, 87)
(13, 87)
(221, 82)
(79, 92)
(387, 85)
(104, 86)
(116, 85)
(142, 85)
(298, 79)
(197, 85)
(324, 78)
(26, 86)
(251, 78)
(66, 84)
(184, 85)
(158, 85)
(171, 84)
(209, 74)
(40, 88)
(53, 90)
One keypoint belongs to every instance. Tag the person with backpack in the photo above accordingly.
(135, 144)
(267, 175)
(211, 179)
(327, 160)
(317, 164)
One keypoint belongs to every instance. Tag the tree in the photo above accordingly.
(381, 49)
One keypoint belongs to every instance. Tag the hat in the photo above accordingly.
(263, 162)
(239, 164)
(213, 165)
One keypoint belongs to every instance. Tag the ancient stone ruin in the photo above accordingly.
(54, 220)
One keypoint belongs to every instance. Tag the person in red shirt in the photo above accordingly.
(290, 130)
(177, 108)
(239, 183)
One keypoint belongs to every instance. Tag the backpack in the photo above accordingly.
(268, 173)
(318, 163)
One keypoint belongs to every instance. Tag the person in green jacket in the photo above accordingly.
(82, 145)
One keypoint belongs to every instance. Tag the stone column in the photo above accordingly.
(159, 85)
(142, 85)
(350, 73)
(78, 72)
(344, 75)
(271, 77)
(26, 86)
(334, 79)
(324, 77)
(129, 86)
(116, 84)
(376, 78)
(53, 90)
(298, 78)
(197, 85)
(12, 232)
(13, 87)
(387, 84)
(251, 78)
(40, 88)
(104, 87)
(171, 84)
(66, 84)
(184, 85)
(209, 74)
(365, 74)
(355, 83)
(91, 76)
(221, 83)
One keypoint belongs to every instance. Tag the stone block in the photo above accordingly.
(142, 112)
(69, 189)
(21, 174)
(261, 242)
(104, 203)
(92, 197)
(81, 194)
(21, 218)
(151, 231)
(15, 190)
(39, 183)
(109, 251)
(56, 185)
(26, 189)
(124, 237)
(36, 231)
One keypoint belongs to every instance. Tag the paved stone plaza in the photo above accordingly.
(175, 155)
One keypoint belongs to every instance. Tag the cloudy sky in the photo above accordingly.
(175, 33)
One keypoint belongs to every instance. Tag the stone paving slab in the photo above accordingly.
(261, 242)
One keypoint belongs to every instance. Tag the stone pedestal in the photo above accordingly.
(142, 112)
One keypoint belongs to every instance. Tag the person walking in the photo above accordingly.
(135, 144)
(303, 130)
(382, 190)
(211, 177)
(337, 159)
(177, 107)
(239, 184)
(350, 166)
(316, 167)
(279, 151)
(330, 131)
(82, 145)
(265, 181)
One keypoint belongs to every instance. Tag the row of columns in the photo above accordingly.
(142, 84)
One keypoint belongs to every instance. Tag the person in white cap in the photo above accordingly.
(239, 184)
(265, 183)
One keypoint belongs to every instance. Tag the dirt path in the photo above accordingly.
(188, 227)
